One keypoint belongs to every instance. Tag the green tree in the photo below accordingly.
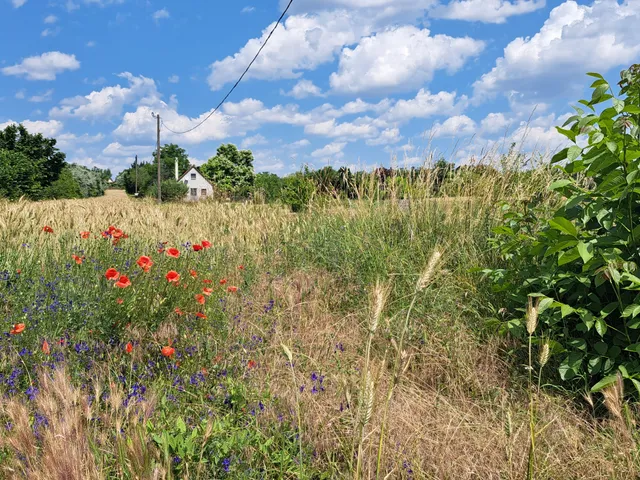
(231, 170)
(269, 185)
(17, 176)
(168, 155)
(65, 186)
(172, 191)
(92, 182)
(297, 191)
(46, 160)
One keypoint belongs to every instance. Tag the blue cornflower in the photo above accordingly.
(226, 463)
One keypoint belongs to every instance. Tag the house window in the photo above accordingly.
(194, 192)
(203, 192)
(193, 176)
(186, 182)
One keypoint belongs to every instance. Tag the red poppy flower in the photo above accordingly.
(47, 229)
(173, 276)
(117, 233)
(199, 298)
(241, 267)
(223, 281)
(119, 301)
(207, 281)
(232, 289)
(201, 315)
(178, 311)
(205, 244)
(45, 348)
(112, 274)
(168, 351)
(129, 347)
(193, 273)
(252, 364)
(161, 250)
(173, 252)
(77, 259)
(204, 371)
(123, 282)
(207, 291)
(85, 234)
(17, 328)
(197, 248)
(111, 228)
(105, 234)
(145, 263)
(18, 271)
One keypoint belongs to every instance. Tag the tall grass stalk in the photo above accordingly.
(289, 355)
(531, 325)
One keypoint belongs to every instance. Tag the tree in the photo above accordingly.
(17, 176)
(92, 182)
(172, 191)
(168, 155)
(269, 185)
(47, 162)
(65, 186)
(231, 170)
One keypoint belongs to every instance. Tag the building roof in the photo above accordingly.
(193, 167)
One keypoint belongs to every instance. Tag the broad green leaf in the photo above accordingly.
(564, 225)
(570, 134)
(635, 347)
(568, 256)
(596, 75)
(633, 109)
(601, 327)
(601, 348)
(561, 155)
(573, 152)
(618, 105)
(612, 146)
(597, 137)
(586, 251)
(558, 184)
(605, 382)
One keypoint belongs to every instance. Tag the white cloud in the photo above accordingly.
(48, 128)
(91, 44)
(361, 128)
(377, 11)
(487, 11)
(494, 123)
(574, 39)
(299, 144)
(400, 59)
(174, 79)
(50, 32)
(456, 126)
(50, 19)
(303, 89)
(303, 42)
(387, 137)
(248, 10)
(107, 102)
(70, 141)
(160, 14)
(20, 94)
(45, 97)
(18, 3)
(43, 67)
(116, 149)
(254, 140)
(330, 150)
(424, 105)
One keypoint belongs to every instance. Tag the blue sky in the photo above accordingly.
(342, 82)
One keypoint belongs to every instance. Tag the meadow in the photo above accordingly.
(219, 340)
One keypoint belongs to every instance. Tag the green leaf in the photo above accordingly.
(633, 109)
(596, 75)
(573, 152)
(597, 137)
(586, 251)
(601, 327)
(561, 155)
(605, 382)
(568, 256)
(612, 146)
(558, 184)
(618, 105)
(180, 425)
(564, 225)
(601, 348)
(635, 347)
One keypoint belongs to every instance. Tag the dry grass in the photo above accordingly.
(454, 415)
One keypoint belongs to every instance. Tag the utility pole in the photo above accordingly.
(158, 159)
(136, 175)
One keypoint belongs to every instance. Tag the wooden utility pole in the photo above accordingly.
(136, 175)
(158, 159)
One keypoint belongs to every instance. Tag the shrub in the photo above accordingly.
(172, 191)
(297, 191)
(65, 186)
(580, 262)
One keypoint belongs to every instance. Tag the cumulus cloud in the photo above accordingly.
(160, 15)
(573, 40)
(424, 105)
(350, 131)
(304, 89)
(456, 126)
(253, 141)
(400, 59)
(50, 19)
(174, 79)
(487, 11)
(45, 97)
(18, 3)
(333, 149)
(107, 102)
(43, 67)
(49, 128)
(302, 42)
(388, 136)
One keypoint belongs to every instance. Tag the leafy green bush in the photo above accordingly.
(297, 191)
(580, 262)
(17, 176)
(171, 191)
(65, 186)
(92, 182)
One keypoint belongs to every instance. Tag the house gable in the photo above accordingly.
(187, 176)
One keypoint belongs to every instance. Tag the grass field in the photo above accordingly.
(347, 341)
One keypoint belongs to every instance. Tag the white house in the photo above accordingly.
(199, 187)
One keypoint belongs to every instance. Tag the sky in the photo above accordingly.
(358, 83)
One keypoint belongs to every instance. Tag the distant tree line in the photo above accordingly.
(31, 166)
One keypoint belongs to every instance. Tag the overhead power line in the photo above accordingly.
(239, 80)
